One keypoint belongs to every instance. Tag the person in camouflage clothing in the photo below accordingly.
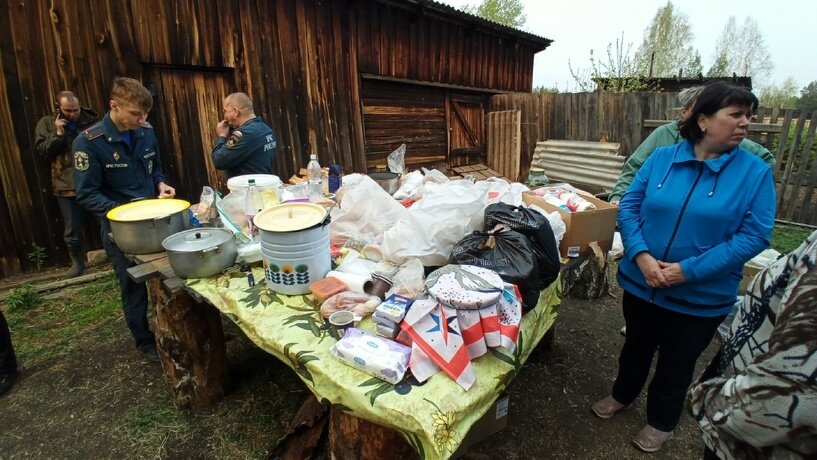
(758, 397)
(53, 137)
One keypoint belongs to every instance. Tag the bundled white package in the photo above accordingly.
(376, 356)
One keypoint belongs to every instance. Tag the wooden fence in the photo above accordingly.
(504, 145)
(627, 118)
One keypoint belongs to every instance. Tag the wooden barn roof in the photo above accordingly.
(451, 14)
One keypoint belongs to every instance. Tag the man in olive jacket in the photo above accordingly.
(53, 137)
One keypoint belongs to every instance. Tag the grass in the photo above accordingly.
(51, 326)
(786, 238)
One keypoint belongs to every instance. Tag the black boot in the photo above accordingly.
(77, 262)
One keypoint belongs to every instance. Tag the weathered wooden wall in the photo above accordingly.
(504, 146)
(301, 62)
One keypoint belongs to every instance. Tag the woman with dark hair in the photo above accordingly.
(694, 215)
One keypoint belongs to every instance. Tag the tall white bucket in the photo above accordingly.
(294, 246)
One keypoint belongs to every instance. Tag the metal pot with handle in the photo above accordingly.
(388, 181)
(141, 226)
(201, 252)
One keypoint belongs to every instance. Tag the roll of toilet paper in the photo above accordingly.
(355, 282)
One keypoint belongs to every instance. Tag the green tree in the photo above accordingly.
(507, 12)
(618, 68)
(782, 96)
(666, 49)
(808, 97)
(741, 51)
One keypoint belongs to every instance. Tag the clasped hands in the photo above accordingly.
(659, 274)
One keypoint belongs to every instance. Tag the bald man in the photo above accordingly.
(52, 140)
(246, 145)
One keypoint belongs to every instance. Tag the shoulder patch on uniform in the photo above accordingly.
(94, 131)
(146, 125)
(234, 139)
(81, 162)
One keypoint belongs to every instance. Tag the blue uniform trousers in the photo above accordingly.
(134, 295)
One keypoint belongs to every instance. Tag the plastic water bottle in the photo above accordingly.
(313, 174)
(253, 204)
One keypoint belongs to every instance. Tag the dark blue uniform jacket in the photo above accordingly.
(250, 149)
(108, 172)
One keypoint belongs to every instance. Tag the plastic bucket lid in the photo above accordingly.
(290, 217)
(261, 181)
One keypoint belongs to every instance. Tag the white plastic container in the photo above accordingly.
(262, 181)
(294, 246)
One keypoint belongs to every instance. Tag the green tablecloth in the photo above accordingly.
(433, 417)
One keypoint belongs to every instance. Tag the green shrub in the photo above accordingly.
(37, 256)
(23, 298)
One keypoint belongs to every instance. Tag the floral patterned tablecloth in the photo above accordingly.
(433, 417)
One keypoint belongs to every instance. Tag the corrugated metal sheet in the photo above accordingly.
(596, 164)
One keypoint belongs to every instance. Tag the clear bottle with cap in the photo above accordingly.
(313, 174)
(253, 204)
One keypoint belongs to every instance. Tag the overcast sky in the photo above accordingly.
(577, 26)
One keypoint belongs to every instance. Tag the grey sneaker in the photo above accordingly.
(650, 439)
(608, 407)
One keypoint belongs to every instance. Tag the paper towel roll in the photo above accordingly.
(355, 282)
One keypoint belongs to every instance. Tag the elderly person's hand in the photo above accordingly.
(651, 270)
(222, 128)
(166, 191)
(672, 272)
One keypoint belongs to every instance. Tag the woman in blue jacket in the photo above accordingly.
(694, 215)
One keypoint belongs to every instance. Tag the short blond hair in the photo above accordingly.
(130, 90)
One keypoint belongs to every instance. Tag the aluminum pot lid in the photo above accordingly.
(466, 287)
(196, 239)
(147, 209)
(290, 217)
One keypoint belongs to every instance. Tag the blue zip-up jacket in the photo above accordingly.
(711, 216)
(108, 172)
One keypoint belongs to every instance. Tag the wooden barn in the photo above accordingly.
(349, 80)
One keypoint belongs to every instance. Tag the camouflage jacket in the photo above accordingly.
(57, 149)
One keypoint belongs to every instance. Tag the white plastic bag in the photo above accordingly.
(365, 213)
(408, 185)
(409, 280)
(433, 225)
(396, 160)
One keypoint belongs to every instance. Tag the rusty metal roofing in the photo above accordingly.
(452, 14)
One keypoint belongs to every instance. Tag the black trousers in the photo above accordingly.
(73, 217)
(134, 295)
(8, 361)
(679, 339)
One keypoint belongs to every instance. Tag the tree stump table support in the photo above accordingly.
(352, 438)
(586, 277)
(190, 341)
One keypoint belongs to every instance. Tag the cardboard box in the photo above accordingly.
(749, 272)
(494, 421)
(582, 227)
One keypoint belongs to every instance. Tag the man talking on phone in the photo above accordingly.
(52, 139)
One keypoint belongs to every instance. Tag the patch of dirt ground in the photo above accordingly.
(102, 400)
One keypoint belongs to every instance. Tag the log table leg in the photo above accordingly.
(190, 341)
(587, 279)
(352, 438)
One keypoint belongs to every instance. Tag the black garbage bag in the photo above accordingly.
(536, 227)
(506, 252)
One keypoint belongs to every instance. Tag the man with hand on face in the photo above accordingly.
(116, 161)
(52, 139)
(246, 145)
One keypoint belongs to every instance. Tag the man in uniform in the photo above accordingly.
(246, 145)
(116, 161)
(52, 139)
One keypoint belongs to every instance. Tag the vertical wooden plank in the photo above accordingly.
(781, 148)
(790, 160)
(804, 216)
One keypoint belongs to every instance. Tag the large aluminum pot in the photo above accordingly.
(200, 252)
(141, 226)
(388, 181)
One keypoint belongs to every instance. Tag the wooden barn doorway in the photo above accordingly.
(186, 109)
(441, 127)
